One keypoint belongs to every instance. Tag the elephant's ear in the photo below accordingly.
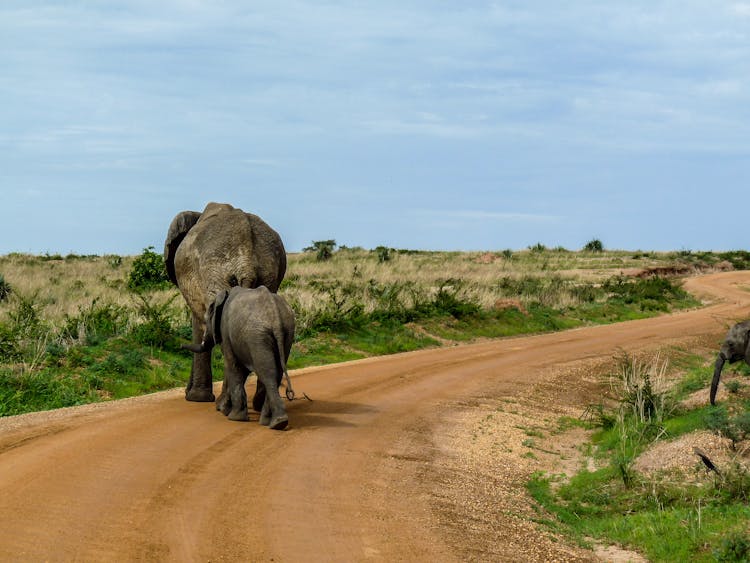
(218, 304)
(179, 227)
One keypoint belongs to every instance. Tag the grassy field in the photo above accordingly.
(674, 512)
(76, 329)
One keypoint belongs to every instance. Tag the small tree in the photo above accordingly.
(148, 271)
(323, 248)
(594, 245)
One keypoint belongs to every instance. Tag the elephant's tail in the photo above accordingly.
(279, 337)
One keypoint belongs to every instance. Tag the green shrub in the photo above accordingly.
(653, 294)
(25, 319)
(148, 272)
(96, 322)
(156, 330)
(447, 301)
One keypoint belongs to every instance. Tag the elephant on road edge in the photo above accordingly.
(215, 250)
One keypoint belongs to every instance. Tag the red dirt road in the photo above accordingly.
(158, 478)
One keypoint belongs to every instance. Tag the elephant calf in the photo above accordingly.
(736, 347)
(255, 329)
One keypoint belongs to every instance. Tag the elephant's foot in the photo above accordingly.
(279, 422)
(276, 423)
(200, 395)
(239, 416)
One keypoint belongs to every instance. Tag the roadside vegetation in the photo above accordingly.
(643, 483)
(76, 329)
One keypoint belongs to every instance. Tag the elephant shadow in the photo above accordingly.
(328, 414)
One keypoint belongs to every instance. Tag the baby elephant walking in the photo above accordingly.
(255, 329)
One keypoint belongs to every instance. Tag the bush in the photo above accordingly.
(25, 320)
(447, 301)
(148, 272)
(157, 328)
(652, 294)
(96, 322)
(594, 245)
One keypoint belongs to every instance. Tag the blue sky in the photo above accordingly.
(412, 124)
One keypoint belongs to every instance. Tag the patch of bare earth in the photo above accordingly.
(678, 458)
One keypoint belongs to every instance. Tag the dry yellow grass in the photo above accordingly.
(479, 273)
(64, 286)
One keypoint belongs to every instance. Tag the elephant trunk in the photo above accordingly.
(717, 375)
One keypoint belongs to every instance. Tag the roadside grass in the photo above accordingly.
(664, 516)
(76, 329)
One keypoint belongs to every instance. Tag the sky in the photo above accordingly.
(405, 123)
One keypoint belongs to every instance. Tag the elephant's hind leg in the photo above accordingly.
(267, 419)
(235, 375)
(274, 414)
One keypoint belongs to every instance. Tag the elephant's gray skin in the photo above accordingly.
(736, 347)
(255, 329)
(208, 252)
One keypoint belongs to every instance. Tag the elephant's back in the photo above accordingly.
(228, 247)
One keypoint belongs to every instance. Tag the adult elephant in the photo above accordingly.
(206, 253)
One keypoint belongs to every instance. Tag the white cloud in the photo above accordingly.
(741, 9)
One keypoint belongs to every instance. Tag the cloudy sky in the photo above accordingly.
(412, 124)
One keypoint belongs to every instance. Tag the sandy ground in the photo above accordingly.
(414, 457)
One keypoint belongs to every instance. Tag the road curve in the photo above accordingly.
(158, 478)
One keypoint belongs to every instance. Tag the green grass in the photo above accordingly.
(663, 518)
(319, 350)
(662, 524)
(113, 369)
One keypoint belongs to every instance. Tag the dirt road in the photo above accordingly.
(354, 478)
